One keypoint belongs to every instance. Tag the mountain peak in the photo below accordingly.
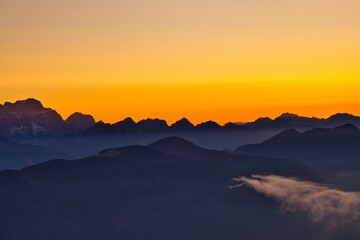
(28, 118)
(288, 115)
(209, 125)
(263, 120)
(128, 120)
(342, 116)
(182, 125)
(152, 125)
(127, 125)
(183, 120)
(30, 102)
(78, 122)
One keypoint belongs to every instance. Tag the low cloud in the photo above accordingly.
(324, 205)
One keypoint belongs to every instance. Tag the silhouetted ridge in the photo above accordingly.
(288, 116)
(29, 119)
(263, 120)
(342, 116)
(208, 126)
(152, 125)
(100, 128)
(182, 125)
(259, 123)
(339, 147)
(78, 122)
(127, 125)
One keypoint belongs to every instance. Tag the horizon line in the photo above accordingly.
(181, 118)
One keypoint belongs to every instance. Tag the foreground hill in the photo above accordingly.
(16, 155)
(168, 192)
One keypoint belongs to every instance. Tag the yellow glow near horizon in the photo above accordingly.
(206, 59)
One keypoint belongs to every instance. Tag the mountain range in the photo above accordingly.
(282, 122)
(30, 119)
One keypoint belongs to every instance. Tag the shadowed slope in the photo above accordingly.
(116, 193)
(15, 155)
(320, 144)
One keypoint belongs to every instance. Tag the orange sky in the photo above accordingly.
(224, 60)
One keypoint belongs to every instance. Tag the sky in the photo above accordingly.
(225, 60)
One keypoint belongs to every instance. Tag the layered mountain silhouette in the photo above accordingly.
(339, 146)
(142, 181)
(289, 120)
(15, 155)
(156, 125)
(170, 189)
(284, 121)
(30, 119)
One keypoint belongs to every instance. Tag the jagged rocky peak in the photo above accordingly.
(128, 120)
(152, 125)
(28, 118)
(208, 126)
(127, 125)
(182, 125)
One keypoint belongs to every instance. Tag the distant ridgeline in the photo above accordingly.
(29, 119)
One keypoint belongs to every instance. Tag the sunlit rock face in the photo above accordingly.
(28, 118)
